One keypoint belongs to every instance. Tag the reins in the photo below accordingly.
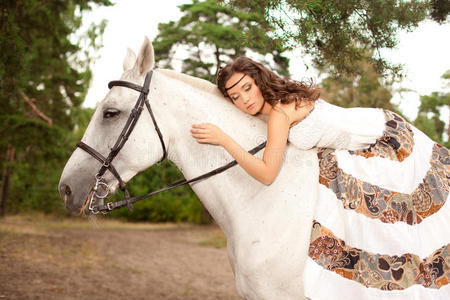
(118, 204)
(96, 194)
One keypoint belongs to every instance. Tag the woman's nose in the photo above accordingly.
(246, 98)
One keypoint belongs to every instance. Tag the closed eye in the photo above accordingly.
(110, 113)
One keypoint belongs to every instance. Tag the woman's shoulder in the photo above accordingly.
(278, 120)
(302, 110)
(279, 111)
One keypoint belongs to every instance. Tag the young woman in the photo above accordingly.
(255, 89)
(382, 218)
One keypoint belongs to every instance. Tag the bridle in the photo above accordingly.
(101, 189)
(120, 142)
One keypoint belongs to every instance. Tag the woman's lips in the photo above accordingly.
(250, 106)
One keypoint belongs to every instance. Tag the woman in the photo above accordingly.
(382, 217)
(255, 89)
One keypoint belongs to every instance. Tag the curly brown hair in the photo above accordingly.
(273, 87)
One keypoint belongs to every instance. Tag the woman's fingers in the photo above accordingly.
(202, 138)
(198, 130)
(200, 135)
(203, 141)
(206, 133)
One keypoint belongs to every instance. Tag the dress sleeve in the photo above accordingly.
(355, 128)
(331, 126)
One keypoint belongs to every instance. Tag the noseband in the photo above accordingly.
(101, 189)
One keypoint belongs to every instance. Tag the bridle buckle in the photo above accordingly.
(109, 205)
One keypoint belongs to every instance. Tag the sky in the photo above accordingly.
(424, 52)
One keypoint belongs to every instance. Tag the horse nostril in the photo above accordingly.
(67, 190)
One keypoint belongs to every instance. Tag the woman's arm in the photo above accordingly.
(264, 170)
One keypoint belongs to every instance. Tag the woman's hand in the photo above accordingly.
(207, 133)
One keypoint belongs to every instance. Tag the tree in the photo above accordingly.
(429, 117)
(338, 33)
(212, 34)
(440, 10)
(43, 80)
(364, 89)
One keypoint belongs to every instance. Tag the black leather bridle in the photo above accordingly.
(121, 140)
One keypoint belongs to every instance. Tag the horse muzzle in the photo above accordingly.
(74, 190)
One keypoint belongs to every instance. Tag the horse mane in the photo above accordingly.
(195, 82)
(204, 86)
(224, 114)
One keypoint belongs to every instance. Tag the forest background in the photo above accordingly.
(46, 62)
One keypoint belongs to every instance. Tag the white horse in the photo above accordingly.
(267, 227)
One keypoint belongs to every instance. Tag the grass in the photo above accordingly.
(39, 223)
(217, 241)
(36, 237)
(73, 256)
(42, 239)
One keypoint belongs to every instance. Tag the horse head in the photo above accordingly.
(110, 117)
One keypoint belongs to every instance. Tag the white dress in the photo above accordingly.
(382, 220)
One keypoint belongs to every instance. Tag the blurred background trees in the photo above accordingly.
(210, 34)
(365, 88)
(429, 118)
(43, 81)
(337, 34)
(45, 74)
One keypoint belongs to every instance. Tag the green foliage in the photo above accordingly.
(178, 204)
(429, 117)
(366, 88)
(43, 81)
(440, 10)
(212, 34)
(338, 33)
(38, 58)
(45, 76)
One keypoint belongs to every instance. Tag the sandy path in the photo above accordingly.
(76, 259)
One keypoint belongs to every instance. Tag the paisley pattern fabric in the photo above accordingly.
(389, 206)
(375, 270)
(396, 143)
(382, 222)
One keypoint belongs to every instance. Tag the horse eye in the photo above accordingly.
(110, 113)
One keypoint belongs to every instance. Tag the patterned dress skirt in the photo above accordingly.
(381, 226)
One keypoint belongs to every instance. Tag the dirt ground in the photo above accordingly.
(46, 258)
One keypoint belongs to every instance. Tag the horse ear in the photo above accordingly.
(146, 58)
(129, 60)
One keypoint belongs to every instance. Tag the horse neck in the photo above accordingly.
(196, 101)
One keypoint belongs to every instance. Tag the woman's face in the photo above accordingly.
(246, 95)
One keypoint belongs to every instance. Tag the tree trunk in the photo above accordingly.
(5, 178)
(217, 54)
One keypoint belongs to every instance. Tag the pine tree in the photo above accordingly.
(338, 33)
(212, 34)
(43, 80)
